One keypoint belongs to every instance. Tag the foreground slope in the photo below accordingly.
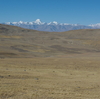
(19, 42)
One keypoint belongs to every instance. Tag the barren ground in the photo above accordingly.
(43, 65)
(50, 78)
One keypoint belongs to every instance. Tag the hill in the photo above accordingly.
(19, 42)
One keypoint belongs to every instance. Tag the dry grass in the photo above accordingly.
(15, 37)
(43, 65)
(50, 78)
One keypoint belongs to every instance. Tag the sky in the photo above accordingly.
(83, 12)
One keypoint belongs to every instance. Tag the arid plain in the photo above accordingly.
(49, 65)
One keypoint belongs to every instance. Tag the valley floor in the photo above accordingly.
(65, 77)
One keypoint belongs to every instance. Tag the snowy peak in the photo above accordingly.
(95, 25)
(52, 26)
(56, 23)
(38, 21)
(53, 23)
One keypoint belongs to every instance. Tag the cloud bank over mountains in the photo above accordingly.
(52, 26)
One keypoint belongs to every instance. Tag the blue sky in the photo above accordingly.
(63, 11)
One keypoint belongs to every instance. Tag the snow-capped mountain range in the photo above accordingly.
(52, 26)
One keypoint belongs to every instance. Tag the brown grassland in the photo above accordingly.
(49, 66)
(50, 78)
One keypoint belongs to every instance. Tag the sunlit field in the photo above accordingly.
(50, 78)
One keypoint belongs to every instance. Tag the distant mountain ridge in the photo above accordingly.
(52, 26)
